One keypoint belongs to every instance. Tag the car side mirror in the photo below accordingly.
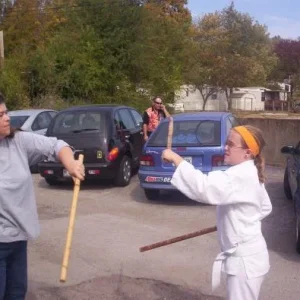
(124, 133)
(288, 150)
(139, 124)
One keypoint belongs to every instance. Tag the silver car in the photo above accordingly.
(35, 120)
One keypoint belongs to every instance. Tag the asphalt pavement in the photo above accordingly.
(113, 223)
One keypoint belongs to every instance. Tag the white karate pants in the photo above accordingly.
(239, 287)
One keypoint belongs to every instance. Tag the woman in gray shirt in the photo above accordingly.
(18, 211)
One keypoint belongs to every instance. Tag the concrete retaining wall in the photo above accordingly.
(277, 133)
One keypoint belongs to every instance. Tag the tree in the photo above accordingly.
(174, 10)
(98, 51)
(288, 64)
(4, 6)
(28, 24)
(160, 55)
(12, 84)
(206, 55)
(233, 51)
(144, 46)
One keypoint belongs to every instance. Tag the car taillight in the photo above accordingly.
(48, 172)
(217, 160)
(113, 154)
(146, 160)
(94, 172)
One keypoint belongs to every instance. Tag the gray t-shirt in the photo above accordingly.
(18, 211)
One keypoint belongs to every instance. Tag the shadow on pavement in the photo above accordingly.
(117, 288)
(174, 198)
(102, 184)
(279, 227)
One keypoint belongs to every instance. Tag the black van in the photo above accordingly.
(109, 136)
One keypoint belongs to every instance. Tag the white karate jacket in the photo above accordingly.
(242, 202)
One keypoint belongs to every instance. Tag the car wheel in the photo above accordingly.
(124, 174)
(286, 186)
(297, 235)
(52, 181)
(151, 194)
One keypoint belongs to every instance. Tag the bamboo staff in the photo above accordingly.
(178, 239)
(64, 266)
(170, 133)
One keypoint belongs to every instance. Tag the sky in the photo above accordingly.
(282, 17)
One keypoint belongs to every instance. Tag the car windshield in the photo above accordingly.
(79, 122)
(17, 121)
(204, 133)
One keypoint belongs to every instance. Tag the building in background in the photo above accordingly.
(192, 99)
(245, 98)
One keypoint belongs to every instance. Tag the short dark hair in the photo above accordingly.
(156, 97)
(12, 130)
(2, 99)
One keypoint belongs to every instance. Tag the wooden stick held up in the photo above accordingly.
(178, 239)
(185, 236)
(170, 133)
(65, 263)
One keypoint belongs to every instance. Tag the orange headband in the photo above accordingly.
(248, 138)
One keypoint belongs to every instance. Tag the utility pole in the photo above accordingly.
(1, 50)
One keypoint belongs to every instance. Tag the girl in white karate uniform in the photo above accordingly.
(242, 203)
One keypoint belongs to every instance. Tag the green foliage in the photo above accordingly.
(12, 84)
(61, 53)
(94, 51)
(166, 50)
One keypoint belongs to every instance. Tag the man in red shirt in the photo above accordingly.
(153, 115)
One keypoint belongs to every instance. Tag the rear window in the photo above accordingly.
(17, 121)
(188, 134)
(78, 122)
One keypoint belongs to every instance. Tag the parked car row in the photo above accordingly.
(111, 139)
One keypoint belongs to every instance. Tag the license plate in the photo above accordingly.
(155, 179)
(66, 173)
(188, 159)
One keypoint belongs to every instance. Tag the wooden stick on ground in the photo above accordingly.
(64, 267)
(178, 239)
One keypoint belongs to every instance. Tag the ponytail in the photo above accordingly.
(259, 162)
(259, 159)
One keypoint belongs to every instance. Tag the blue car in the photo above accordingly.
(198, 137)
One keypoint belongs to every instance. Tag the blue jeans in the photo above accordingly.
(13, 270)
